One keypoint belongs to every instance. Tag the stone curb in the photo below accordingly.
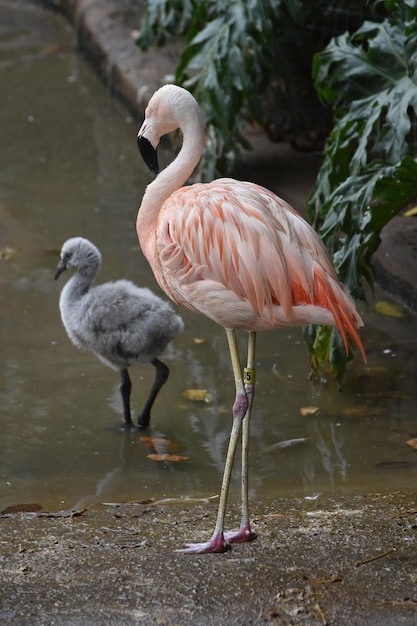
(106, 41)
(395, 261)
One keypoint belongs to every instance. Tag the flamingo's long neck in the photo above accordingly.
(169, 180)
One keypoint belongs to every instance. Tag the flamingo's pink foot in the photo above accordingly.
(216, 544)
(245, 533)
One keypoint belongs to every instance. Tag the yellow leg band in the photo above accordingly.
(249, 376)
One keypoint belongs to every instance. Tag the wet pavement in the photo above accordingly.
(349, 559)
(315, 562)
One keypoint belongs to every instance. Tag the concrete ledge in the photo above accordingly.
(106, 41)
(395, 261)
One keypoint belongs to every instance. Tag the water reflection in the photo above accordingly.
(69, 166)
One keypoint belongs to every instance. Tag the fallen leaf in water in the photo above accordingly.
(30, 507)
(147, 502)
(198, 395)
(289, 443)
(199, 340)
(396, 464)
(388, 308)
(160, 444)
(7, 253)
(52, 49)
(412, 443)
(185, 500)
(309, 410)
(364, 411)
(176, 458)
(411, 212)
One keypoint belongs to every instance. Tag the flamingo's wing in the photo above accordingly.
(242, 239)
(237, 235)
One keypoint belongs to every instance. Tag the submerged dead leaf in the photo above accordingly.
(396, 464)
(176, 458)
(7, 253)
(412, 443)
(364, 411)
(308, 410)
(288, 443)
(52, 49)
(147, 502)
(388, 308)
(160, 444)
(29, 507)
(186, 500)
(198, 395)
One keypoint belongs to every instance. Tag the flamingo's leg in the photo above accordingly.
(218, 543)
(245, 533)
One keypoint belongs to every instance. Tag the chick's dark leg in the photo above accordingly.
(125, 389)
(161, 376)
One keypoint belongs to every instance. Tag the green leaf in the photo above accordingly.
(369, 172)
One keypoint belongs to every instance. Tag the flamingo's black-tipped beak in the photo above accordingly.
(62, 266)
(148, 153)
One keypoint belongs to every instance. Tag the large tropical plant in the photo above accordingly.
(369, 172)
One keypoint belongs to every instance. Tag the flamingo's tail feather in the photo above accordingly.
(341, 306)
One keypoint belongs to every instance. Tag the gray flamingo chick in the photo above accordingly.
(121, 323)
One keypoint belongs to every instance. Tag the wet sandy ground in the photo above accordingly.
(323, 561)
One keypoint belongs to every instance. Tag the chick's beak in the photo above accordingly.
(60, 268)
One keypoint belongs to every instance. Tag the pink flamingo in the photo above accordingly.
(237, 253)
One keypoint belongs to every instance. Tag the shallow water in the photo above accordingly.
(69, 166)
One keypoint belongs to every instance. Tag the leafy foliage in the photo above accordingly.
(230, 53)
(165, 19)
(369, 172)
